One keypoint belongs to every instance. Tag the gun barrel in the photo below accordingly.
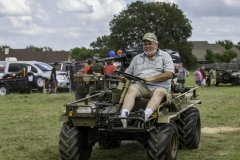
(111, 58)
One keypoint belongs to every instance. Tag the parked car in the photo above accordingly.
(225, 76)
(41, 71)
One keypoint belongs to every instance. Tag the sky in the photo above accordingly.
(66, 24)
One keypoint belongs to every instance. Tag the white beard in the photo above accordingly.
(150, 53)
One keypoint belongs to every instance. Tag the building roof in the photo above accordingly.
(200, 47)
(31, 55)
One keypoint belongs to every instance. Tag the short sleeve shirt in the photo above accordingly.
(181, 73)
(141, 67)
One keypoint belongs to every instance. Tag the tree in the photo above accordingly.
(227, 44)
(81, 53)
(2, 48)
(227, 56)
(41, 49)
(238, 46)
(169, 24)
(102, 45)
(47, 49)
(210, 56)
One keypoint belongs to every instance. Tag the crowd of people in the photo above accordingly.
(199, 74)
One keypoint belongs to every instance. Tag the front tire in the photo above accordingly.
(163, 142)
(189, 128)
(73, 142)
(235, 82)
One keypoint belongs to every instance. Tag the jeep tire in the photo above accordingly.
(235, 82)
(73, 143)
(189, 129)
(163, 142)
(226, 76)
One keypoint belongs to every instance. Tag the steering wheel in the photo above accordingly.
(129, 76)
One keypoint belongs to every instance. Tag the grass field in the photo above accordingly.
(30, 127)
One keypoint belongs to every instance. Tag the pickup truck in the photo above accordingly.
(41, 71)
(10, 83)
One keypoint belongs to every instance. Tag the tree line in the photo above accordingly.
(127, 28)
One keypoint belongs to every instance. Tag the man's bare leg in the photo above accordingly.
(129, 100)
(155, 101)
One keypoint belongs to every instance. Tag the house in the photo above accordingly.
(200, 47)
(31, 55)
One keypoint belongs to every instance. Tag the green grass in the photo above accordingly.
(30, 127)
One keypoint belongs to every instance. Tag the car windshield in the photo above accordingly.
(44, 66)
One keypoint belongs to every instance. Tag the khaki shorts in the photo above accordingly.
(144, 91)
(212, 81)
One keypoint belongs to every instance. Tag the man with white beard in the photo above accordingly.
(156, 68)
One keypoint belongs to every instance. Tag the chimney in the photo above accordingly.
(6, 50)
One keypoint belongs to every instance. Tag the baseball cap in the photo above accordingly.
(150, 37)
(73, 60)
(97, 55)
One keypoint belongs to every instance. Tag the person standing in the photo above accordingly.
(54, 78)
(97, 66)
(88, 69)
(212, 75)
(198, 77)
(73, 69)
(109, 68)
(182, 74)
(202, 70)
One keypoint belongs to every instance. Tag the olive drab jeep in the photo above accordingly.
(174, 125)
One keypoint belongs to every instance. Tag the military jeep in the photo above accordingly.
(224, 76)
(174, 125)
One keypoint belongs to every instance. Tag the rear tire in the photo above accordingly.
(108, 143)
(38, 82)
(3, 90)
(163, 142)
(73, 143)
(189, 128)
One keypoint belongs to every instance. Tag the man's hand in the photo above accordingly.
(123, 78)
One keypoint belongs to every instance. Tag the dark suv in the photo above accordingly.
(225, 76)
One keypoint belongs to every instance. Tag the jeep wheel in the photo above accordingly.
(189, 128)
(235, 82)
(163, 142)
(226, 76)
(3, 90)
(109, 144)
(73, 143)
